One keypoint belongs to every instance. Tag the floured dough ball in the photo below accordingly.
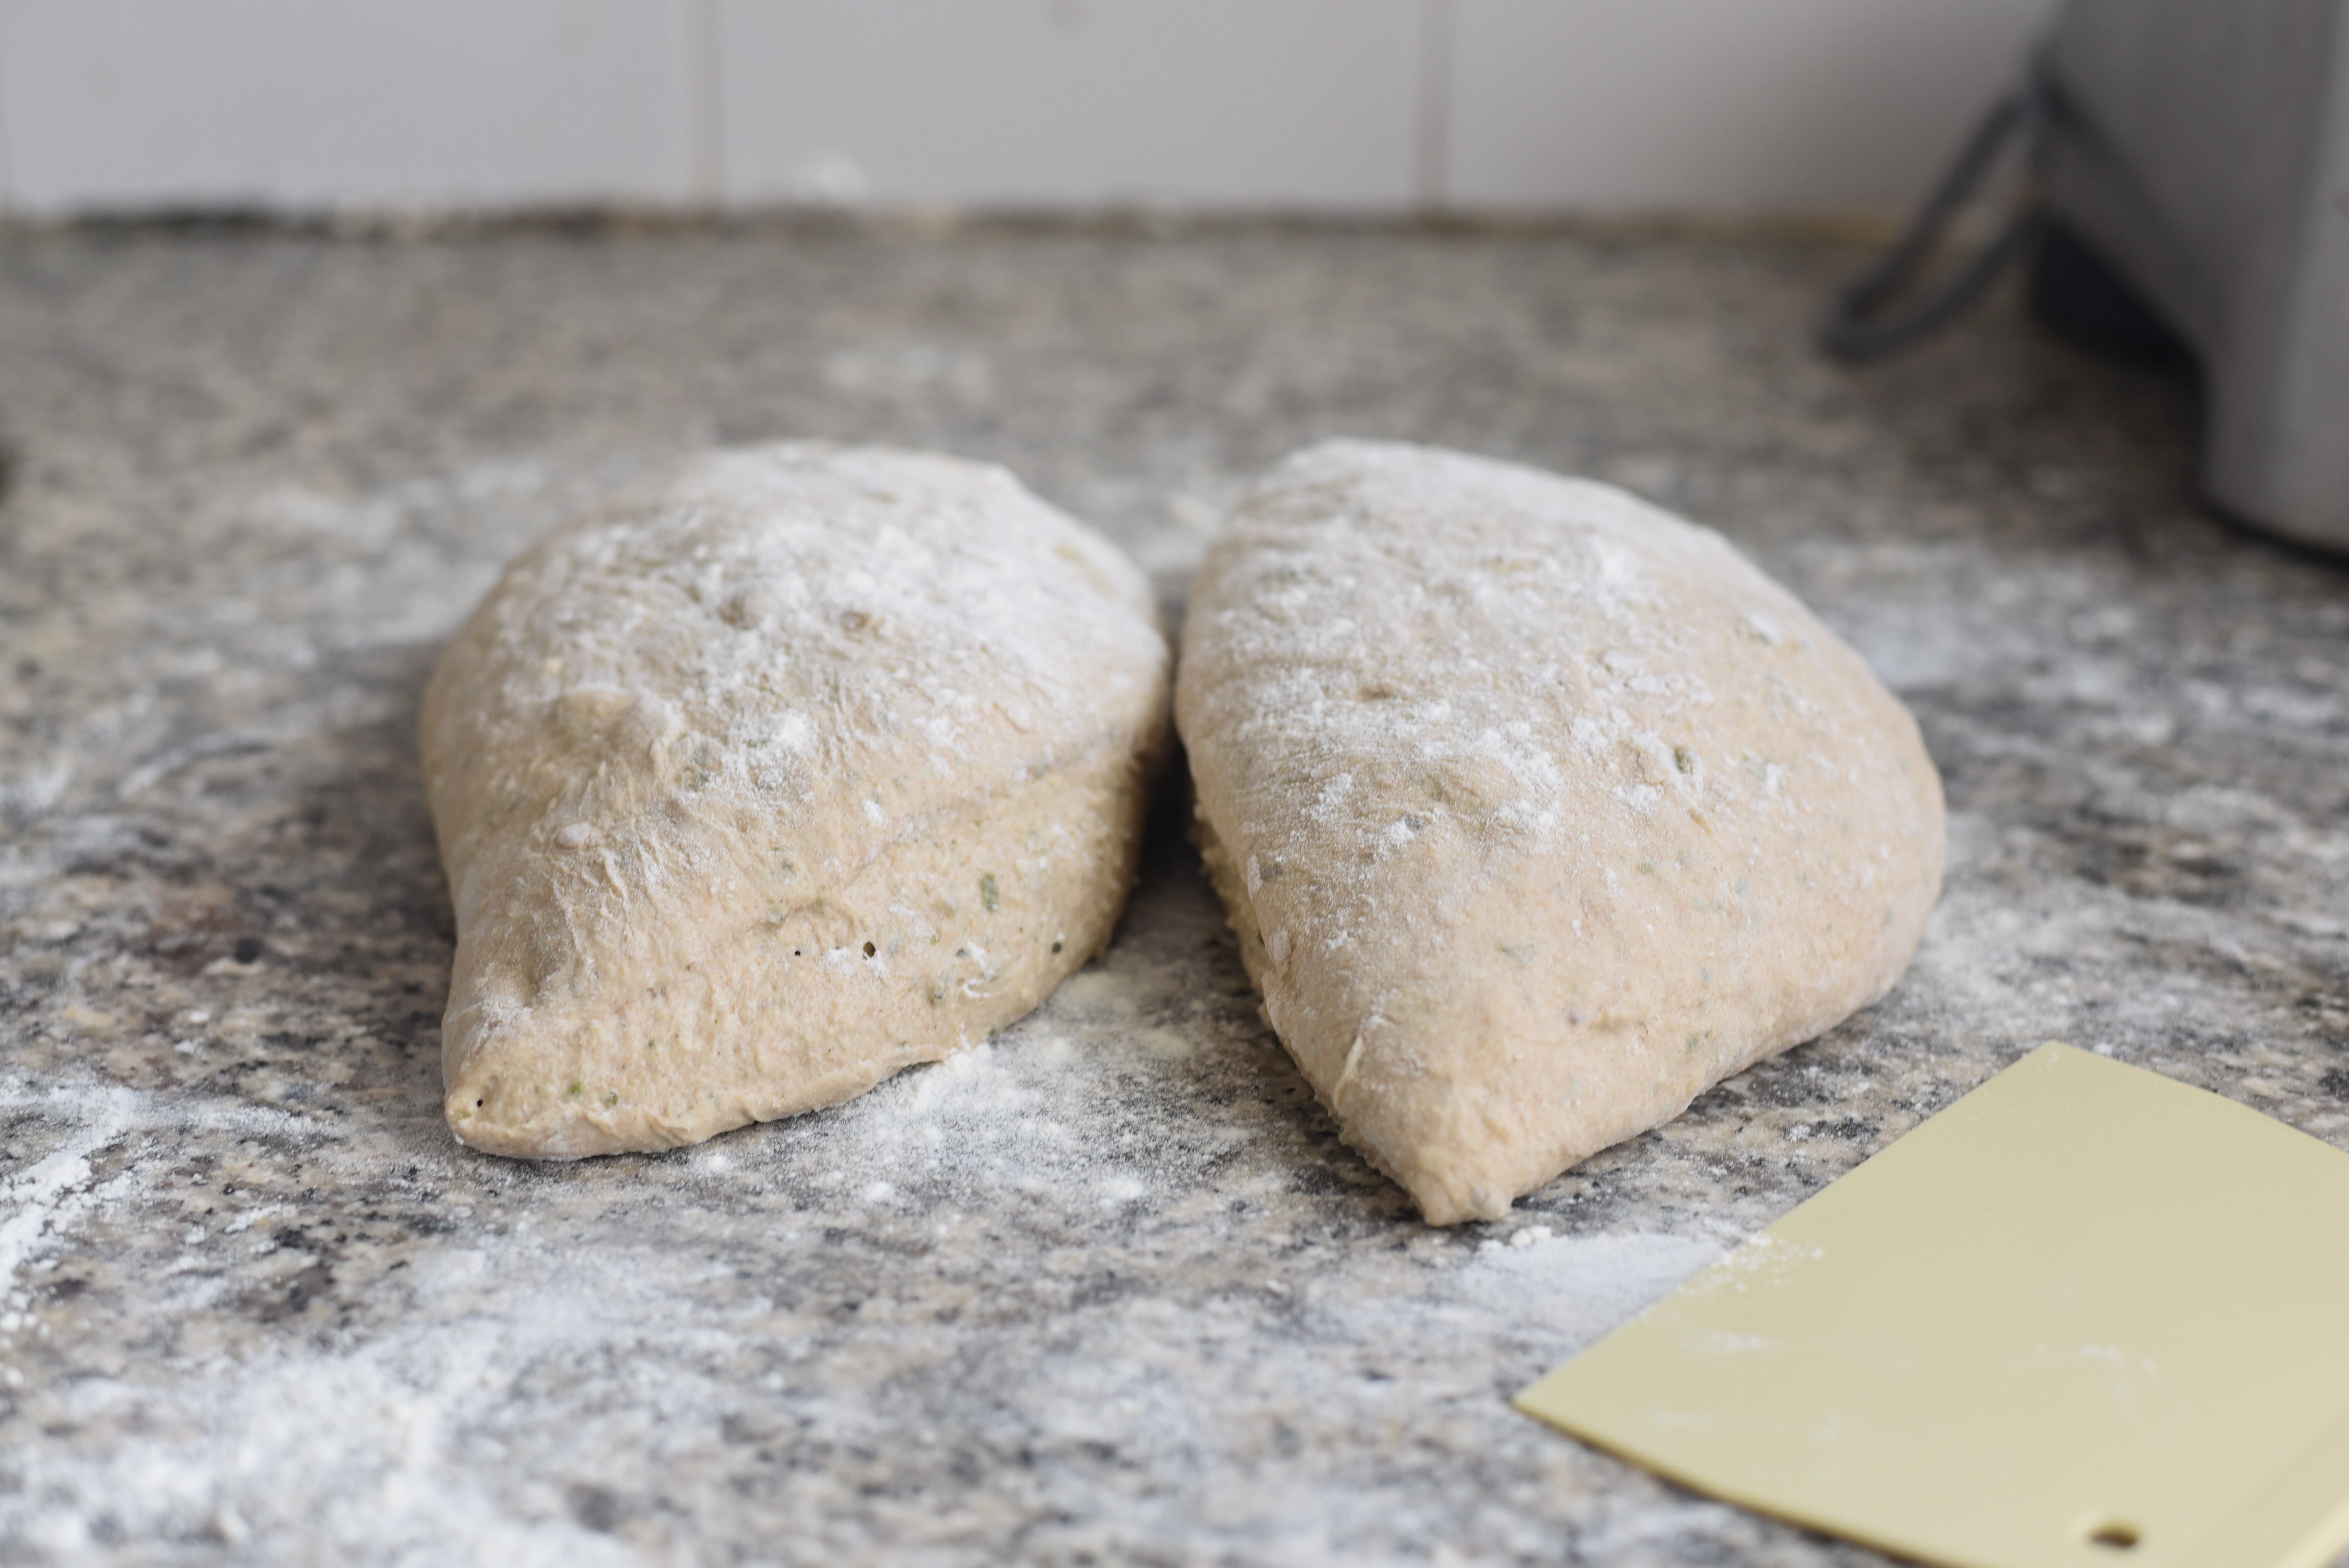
(1538, 809)
(758, 785)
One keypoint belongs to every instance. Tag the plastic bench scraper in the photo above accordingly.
(2087, 1316)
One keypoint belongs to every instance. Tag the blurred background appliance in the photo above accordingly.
(2200, 147)
(2186, 167)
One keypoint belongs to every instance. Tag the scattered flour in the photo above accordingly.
(544, 1346)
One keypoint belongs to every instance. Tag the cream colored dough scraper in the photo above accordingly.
(2086, 1317)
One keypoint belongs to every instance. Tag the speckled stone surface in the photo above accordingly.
(1107, 1289)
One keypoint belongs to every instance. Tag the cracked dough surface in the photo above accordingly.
(1537, 810)
(767, 780)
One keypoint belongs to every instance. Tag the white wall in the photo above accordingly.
(1370, 106)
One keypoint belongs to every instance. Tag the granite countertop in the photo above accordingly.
(1108, 1288)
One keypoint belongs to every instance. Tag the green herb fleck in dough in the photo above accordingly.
(988, 893)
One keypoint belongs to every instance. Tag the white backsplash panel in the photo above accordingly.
(1376, 107)
(281, 104)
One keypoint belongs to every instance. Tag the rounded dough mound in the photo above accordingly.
(1538, 809)
(761, 783)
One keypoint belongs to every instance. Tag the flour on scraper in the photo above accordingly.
(1538, 809)
(764, 782)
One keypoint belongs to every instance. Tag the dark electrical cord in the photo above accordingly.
(1866, 320)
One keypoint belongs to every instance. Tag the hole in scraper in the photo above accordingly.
(2118, 1534)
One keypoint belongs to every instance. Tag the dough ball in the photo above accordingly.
(764, 782)
(1537, 809)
